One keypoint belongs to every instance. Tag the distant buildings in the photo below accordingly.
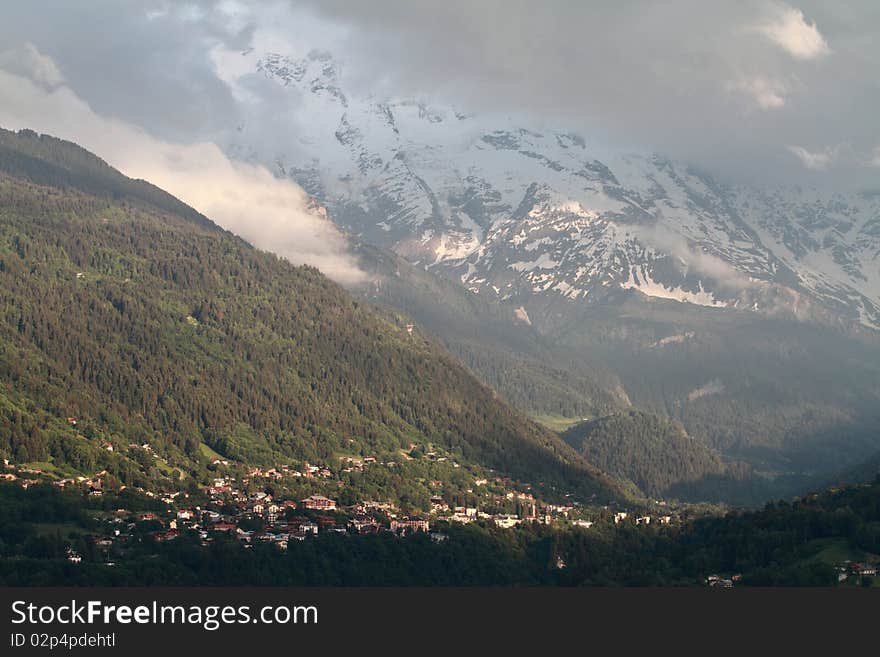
(364, 526)
(506, 521)
(407, 526)
(860, 569)
(171, 534)
(718, 582)
(318, 503)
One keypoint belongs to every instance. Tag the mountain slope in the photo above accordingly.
(496, 341)
(151, 326)
(651, 451)
(785, 396)
(748, 314)
(52, 162)
(518, 211)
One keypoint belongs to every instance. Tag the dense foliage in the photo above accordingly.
(791, 399)
(55, 163)
(150, 326)
(652, 451)
(505, 351)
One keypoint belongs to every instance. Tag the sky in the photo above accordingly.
(750, 91)
(746, 89)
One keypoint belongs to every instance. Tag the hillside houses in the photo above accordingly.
(318, 502)
(718, 582)
(276, 505)
(364, 525)
(856, 569)
(464, 514)
(506, 521)
(169, 535)
(370, 506)
(560, 509)
(409, 525)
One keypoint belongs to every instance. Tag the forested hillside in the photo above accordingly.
(127, 317)
(500, 347)
(651, 451)
(797, 402)
(57, 163)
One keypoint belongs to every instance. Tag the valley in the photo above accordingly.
(599, 279)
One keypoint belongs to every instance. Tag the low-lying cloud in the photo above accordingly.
(272, 214)
(842, 154)
(695, 259)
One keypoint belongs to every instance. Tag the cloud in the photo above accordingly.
(637, 75)
(268, 212)
(724, 86)
(31, 63)
(764, 92)
(789, 30)
(815, 160)
(694, 258)
(844, 154)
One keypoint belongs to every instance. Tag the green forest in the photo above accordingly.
(126, 317)
(651, 451)
(512, 357)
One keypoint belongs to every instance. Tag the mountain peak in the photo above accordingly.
(531, 215)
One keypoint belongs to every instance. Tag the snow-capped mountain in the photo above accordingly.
(522, 213)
